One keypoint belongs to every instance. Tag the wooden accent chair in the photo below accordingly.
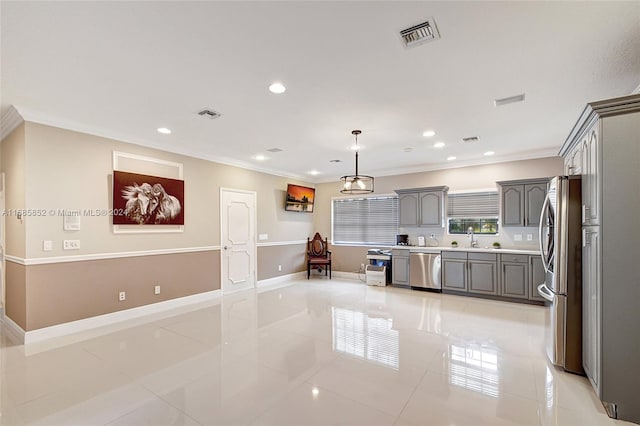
(317, 255)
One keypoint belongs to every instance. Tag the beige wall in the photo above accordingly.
(16, 293)
(63, 292)
(52, 169)
(13, 165)
(71, 170)
(291, 257)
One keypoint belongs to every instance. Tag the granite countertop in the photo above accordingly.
(417, 249)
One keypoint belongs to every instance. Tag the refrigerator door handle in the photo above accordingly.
(545, 205)
(544, 291)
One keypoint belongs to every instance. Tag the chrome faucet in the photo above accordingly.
(472, 243)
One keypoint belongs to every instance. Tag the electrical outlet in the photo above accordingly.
(122, 296)
(263, 237)
(279, 267)
(362, 266)
(71, 244)
(529, 237)
(517, 237)
(156, 290)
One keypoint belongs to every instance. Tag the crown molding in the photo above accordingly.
(34, 116)
(531, 155)
(9, 121)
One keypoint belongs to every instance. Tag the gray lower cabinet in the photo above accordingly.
(400, 267)
(537, 276)
(454, 271)
(514, 276)
(483, 278)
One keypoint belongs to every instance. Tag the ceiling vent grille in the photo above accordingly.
(509, 100)
(420, 33)
(470, 139)
(209, 113)
(274, 150)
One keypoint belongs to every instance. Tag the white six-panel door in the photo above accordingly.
(237, 240)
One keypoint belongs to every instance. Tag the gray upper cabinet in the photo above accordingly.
(422, 206)
(573, 162)
(521, 201)
(590, 183)
(534, 195)
(408, 209)
(512, 205)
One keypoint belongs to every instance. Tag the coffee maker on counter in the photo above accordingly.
(402, 239)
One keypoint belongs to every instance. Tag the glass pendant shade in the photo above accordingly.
(357, 183)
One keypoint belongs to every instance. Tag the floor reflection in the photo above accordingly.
(370, 338)
(474, 368)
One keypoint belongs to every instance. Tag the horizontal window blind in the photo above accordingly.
(371, 220)
(473, 204)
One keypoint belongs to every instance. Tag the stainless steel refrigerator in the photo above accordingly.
(561, 251)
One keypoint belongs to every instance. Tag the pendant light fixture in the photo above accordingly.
(356, 184)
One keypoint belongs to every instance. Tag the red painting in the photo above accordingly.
(147, 200)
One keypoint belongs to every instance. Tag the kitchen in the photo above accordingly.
(483, 106)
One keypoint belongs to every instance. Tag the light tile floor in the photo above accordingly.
(314, 352)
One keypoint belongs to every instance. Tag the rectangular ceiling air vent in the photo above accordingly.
(209, 113)
(470, 139)
(420, 33)
(509, 100)
(274, 150)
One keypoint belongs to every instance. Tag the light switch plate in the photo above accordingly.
(517, 237)
(47, 245)
(263, 237)
(529, 237)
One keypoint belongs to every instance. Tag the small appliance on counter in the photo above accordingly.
(402, 240)
(421, 241)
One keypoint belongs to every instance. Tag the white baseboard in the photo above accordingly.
(13, 328)
(281, 279)
(87, 324)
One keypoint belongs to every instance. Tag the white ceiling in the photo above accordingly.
(123, 69)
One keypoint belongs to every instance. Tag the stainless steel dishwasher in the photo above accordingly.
(424, 270)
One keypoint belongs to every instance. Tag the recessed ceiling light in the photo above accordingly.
(451, 158)
(164, 130)
(277, 88)
(438, 145)
(489, 153)
(260, 157)
(428, 133)
(314, 172)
